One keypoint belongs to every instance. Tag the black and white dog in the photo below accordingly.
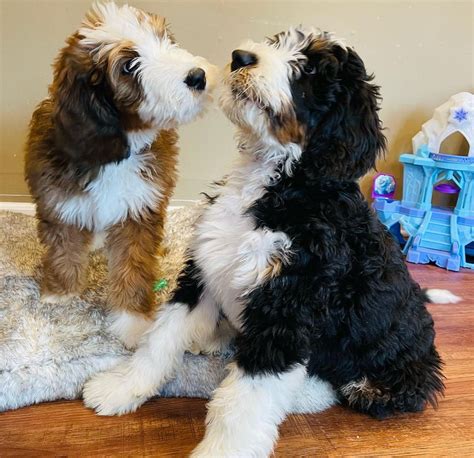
(292, 255)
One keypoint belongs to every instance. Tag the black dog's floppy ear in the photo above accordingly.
(87, 123)
(364, 139)
(345, 129)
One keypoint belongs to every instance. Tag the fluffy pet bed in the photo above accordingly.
(48, 351)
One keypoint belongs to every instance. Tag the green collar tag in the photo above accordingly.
(160, 285)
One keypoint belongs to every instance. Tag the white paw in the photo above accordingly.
(129, 327)
(196, 348)
(208, 448)
(114, 392)
(217, 343)
(56, 298)
(210, 347)
(314, 395)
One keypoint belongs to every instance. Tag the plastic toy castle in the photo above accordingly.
(437, 234)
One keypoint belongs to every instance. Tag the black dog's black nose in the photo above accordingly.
(242, 59)
(196, 79)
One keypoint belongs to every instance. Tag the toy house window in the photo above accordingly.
(446, 191)
(469, 252)
(455, 144)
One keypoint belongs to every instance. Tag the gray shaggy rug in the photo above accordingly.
(47, 351)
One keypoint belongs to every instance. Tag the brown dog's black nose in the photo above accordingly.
(242, 59)
(196, 79)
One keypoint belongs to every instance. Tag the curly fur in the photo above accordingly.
(289, 251)
(356, 312)
(102, 153)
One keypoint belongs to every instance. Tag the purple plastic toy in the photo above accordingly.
(447, 188)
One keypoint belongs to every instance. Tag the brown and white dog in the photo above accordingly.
(101, 155)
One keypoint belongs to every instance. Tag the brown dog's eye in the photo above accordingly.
(129, 67)
(309, 69)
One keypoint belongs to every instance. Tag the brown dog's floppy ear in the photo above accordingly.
(86, 120)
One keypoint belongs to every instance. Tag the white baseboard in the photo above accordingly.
(28, 208)
(18, 207)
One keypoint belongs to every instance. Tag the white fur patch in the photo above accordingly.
(442, 296)
(245, 411)
(129, 327)
(232, 254)
(272, 72)
(217, 342)
(120, 190)
(314, 395)
(98, 241)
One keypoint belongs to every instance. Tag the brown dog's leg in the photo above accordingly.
(132, 249)
(65, 261)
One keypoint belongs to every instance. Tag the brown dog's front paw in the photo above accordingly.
(129, 327)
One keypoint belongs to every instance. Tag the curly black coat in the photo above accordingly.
(345, 305)
(354, 312)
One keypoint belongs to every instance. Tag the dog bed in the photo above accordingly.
(48, 351)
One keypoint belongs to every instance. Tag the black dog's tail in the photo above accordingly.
(441, 296)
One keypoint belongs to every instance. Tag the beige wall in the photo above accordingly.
(420, 51)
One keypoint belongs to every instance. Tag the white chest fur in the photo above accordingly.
(120, 190)
(232, 254)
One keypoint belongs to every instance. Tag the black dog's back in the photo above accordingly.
(376, 337)
(397, 370)
(373, 337)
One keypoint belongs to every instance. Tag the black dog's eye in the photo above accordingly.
(129, 67)
(309, 69)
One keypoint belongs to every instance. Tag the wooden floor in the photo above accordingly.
(172, 427)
